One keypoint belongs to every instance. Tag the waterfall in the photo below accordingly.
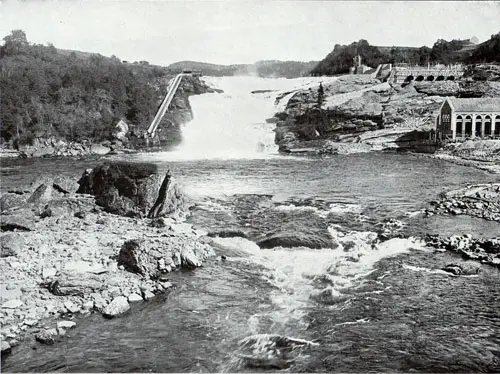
(232, 124)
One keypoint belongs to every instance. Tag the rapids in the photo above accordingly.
(346, 286)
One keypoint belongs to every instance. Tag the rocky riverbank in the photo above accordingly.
(64, 253)
(126, 138)
(357, 113)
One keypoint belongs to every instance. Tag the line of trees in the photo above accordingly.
(340, 60)
(50, 92)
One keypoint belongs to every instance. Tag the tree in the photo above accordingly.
(321, 95)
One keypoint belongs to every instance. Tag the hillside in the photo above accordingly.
(265, 69)
(340, 60)
(78, 96)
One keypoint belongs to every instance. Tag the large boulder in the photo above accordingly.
(22, 220)
(138, 256)
(11, 244)
(118, 306)
(123, 188)
(76, 285)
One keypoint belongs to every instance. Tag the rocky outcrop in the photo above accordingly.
(484, 250)
(123, 188)
(467, 268)
(482, 201)
(69, 266)
(365, 114)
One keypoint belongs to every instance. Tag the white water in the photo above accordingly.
(232, 124)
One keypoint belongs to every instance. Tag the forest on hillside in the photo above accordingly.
(76, 96)
(340, 60)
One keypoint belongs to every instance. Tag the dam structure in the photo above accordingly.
(407, 74)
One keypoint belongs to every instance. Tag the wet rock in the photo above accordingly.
(118, 306)
(293, 239)
(148, 295)
(189, 258)
(123, 188)
(66, 325)
(6, 348)
(47, 336)
(21, 221)
(468, 268)
(11, 244)
(133, 297)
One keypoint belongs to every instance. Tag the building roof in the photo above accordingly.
(480, 104)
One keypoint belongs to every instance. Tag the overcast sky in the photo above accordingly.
(227, 32)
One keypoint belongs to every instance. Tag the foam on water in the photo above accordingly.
(232, 125)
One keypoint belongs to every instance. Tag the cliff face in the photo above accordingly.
(169, 132)
(358, 113)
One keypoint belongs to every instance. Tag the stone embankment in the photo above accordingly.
(63, 253)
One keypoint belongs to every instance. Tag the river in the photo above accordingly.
(341, 284)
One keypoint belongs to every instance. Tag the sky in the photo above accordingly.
(228, 32)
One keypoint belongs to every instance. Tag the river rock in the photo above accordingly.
(11, 201)
(137, 256)
(133, 297)
(6, 348)
(289, 239)
(76, 285)
(21, 221)
(47, 336)
(66, 325)
(118, 306)
(41, 195)
(11, 244)
(123, 188)
(189, 258)
(66, 185)
(467, 268)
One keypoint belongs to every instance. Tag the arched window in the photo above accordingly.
(487, 126)
(409, 78)
(477, 128)
(430, 78)
(420, 78)
(450, 78)
(468, 126)
(440, 78)
(459, 126)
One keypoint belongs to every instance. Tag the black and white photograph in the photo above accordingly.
(249, 186)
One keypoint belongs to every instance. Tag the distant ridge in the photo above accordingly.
(264, 68)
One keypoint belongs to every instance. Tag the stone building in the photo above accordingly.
(469, 118)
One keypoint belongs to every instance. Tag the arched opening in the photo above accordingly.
(409, 78)
(450, 78)
(440, 78)
(468, 126)
(487, 126)
(430, 78)
(497, 127)
(477, 128)
(420, 78)
(459, 126)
